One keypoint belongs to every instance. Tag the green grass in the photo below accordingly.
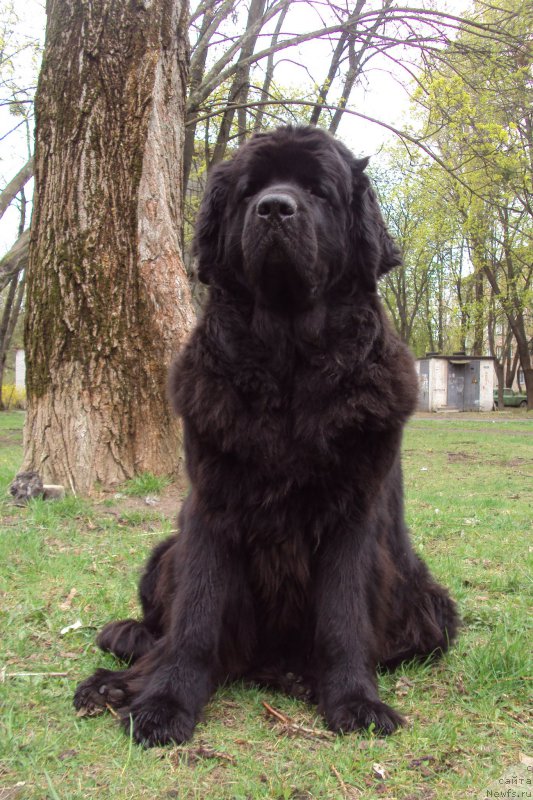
(145, 484)
(469, 502)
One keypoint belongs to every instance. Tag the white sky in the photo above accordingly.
(13, 149)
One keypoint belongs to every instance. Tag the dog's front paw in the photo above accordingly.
(154, 722)
(104, 688)
(360, 713)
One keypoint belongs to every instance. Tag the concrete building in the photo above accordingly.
(20, 369)
(455, 383)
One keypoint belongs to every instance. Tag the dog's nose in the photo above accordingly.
(276, 205)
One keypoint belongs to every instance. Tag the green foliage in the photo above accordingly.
(13, 397)
(422, 296)
(477, 107)
(465, 224)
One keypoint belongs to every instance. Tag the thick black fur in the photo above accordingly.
(293, 566)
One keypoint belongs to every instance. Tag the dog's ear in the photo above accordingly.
(391, 255)
(208, 245)
(372, 245)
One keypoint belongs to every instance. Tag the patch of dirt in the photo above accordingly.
(191, 756)
(515, 414)
(166, 504)
(460, 455)
(517, 462)
(11, 437)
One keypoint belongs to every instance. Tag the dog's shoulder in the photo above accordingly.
(364, 377)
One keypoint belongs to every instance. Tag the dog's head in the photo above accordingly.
(292, 218)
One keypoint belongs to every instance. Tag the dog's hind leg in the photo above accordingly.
(129, 639)
(426, 625)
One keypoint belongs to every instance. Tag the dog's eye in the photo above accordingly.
(319, 191)
(246, 192)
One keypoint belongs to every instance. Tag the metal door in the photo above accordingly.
(456, 386)
(472, 386)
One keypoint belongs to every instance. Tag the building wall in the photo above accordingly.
(20, 370)
(487, 384)
(433, 376)
(438, 383)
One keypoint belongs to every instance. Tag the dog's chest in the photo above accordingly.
(299, 427)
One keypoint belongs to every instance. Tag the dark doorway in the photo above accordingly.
(456, 386)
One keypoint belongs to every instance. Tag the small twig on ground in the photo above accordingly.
(337, 774)
(293, 728)
(349, 792)
(191, 755)
(4, 675)
(67, 602)
(275, 713)
(112, 711)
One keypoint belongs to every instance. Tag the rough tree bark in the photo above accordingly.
(108, 300)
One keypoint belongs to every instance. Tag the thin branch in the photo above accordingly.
(15, 185)
(397, 132)
(222, 69)
(15, 260)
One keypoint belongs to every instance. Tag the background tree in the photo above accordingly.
(108, 301)
(426, 298)
(19, 55)
(479, 115)
(243, 50)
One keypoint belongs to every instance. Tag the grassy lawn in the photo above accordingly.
(469, 483)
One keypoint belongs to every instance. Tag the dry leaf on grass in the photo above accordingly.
(74, 627)
(12, 792)
(95, 711)
(192, 755)
(403, 686)
(67, 602)
(66, 754)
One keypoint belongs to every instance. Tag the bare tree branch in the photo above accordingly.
(456, 174)
(15, 185)
(239, 89)
(439, 21)
(15, 260)
(269, 72)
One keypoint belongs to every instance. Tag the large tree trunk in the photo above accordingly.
(108, 300)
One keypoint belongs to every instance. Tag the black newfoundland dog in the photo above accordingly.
(293, 566)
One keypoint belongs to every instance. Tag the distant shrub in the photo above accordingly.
(13, 397)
